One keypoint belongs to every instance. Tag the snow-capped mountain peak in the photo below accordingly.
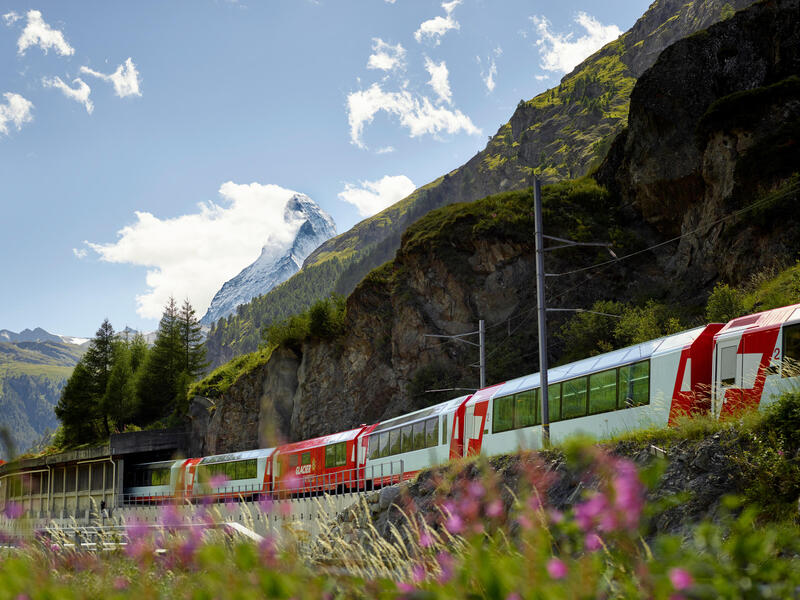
(311, 226)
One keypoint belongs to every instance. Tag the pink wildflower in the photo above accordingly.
(218, 481)
(14, 510)
(446, 564)
(556, 516)
(454, 524)
(120, 584)
(495, 509)
(476, 489)
(556, 568)
(406, 588)
(55, 548)
(418, 573)
(525, 522)
(513, 596)
(425, 539)
(592, 542)
(680, 578)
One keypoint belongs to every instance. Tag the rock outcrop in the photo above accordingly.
(667, 175)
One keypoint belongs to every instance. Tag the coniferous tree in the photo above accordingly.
(99, 360)
(158, 384)
(194, 352)
(76, 408)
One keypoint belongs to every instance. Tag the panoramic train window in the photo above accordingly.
(503, 414)
(305, 458)
(573, 398)
(554, 401)
(634, 385)
(374, 446)
(431, 432)
(791, 351)
(602, 391)
(394, 441)
(419, 435)
(407, 433)
(159, 477)
(444, 429)
(384, 445)
(525, 411)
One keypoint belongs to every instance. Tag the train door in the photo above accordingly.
(727, 377)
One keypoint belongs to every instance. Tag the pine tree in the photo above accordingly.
(157, 386)
(76, 408)
(194, 352)
(99, 360)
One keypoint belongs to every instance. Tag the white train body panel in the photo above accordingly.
(381, 464)
(666, 363)
(238, 473)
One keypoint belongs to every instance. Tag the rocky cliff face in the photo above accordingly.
(560, 133)
(714, 129)
(733, 143)
(276, 263)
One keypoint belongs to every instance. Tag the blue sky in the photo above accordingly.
(146, 146)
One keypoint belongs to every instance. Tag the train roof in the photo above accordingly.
(335, 438)
(420, 415)
(484, 393)
(609, 360)
(235, 456)
(763, 320)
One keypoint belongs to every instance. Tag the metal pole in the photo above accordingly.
(482, 344)
(540, 300)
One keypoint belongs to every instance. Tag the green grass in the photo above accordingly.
(221, 379)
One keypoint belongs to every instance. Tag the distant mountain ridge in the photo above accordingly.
(38, 335)
(33, 370)
(275, 265)
(560, 133)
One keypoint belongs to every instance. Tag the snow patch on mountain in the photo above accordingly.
(277, 262)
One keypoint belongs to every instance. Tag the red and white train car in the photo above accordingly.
(756, 359)
(323, 464)
(632, 388)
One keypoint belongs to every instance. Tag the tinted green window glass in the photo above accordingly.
(305, 458)
(791, 351)
(330, 455)
(419, 435)
(341, 454)
(432, 432)
(384, 445)
(603, 391)
(573, 398)
(444, 429)
(394, 441)
(374, 446)
(554, 401)
(407, 433)
(634, 384)
(503, 414)
(525, 409)
(251, 469)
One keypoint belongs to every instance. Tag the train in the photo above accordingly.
(718, 369)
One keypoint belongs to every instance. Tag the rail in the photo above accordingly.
(288, 487)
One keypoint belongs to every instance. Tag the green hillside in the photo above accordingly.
(32, 375)
(561, 133)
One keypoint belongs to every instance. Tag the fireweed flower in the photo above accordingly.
(556, 568)
(418, 573)
(13, 510)
(170, 518)
(454, 524)
(425, 539)
(447, 565)
(218, 481)
(592, 542)
(476, 489)
(680, 578)
(495, 509)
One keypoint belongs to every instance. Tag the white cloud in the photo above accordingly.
(79, 94)
(16, 110)
(434, 29)
(560, 52)
(192, 255)
(386, 57)
(371, 197)
(39, 33)
(439, 80)
(11, 17)
(125, 79)
(80, 252)
(488, 76)
(417, 113)
(385, 150)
